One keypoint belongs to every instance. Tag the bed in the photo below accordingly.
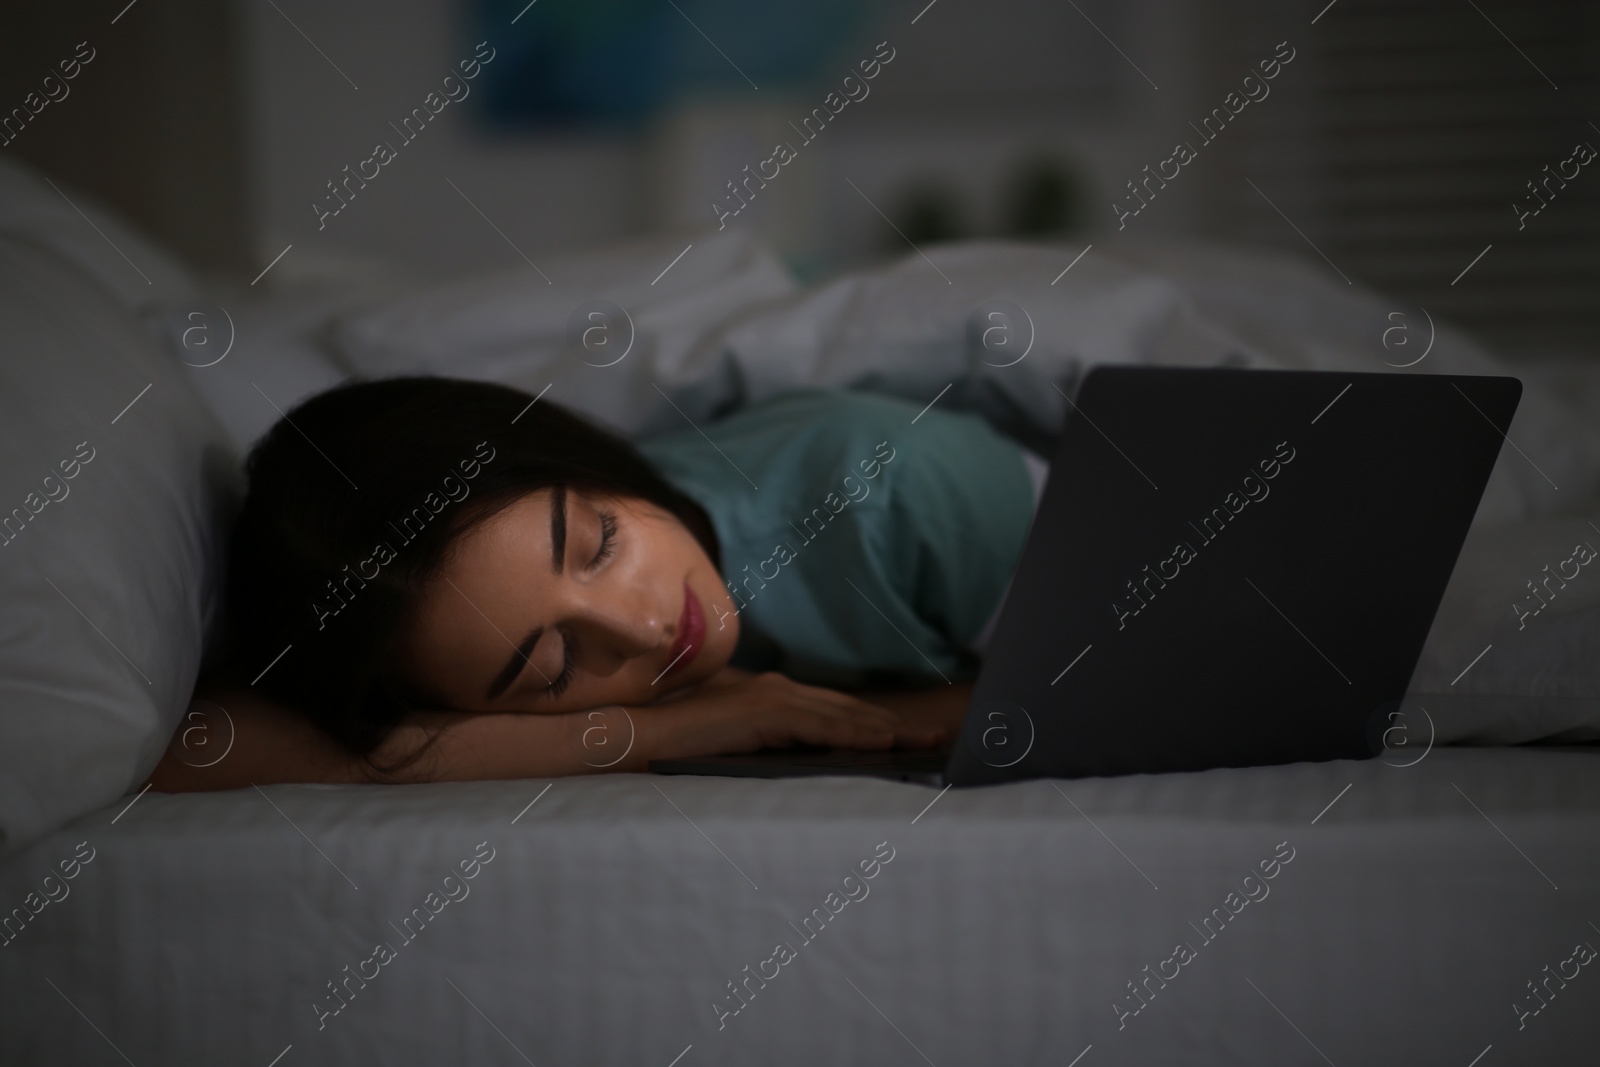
(1006, 928)
(1436, 905)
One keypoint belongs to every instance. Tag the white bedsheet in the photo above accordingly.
(1004, 928)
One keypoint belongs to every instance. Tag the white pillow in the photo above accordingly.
(115, 488)
(85, 232)
(1491, 675)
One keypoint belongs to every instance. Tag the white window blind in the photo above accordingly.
(1401, 140)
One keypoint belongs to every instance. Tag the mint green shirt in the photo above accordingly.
(859, 547)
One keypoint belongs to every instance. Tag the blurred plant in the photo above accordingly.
(1042, 199)
(925, 212)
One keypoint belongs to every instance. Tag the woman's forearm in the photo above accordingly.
(267, 743)
(615, 738)
(259, 742)
(240, 739)
(467, 746)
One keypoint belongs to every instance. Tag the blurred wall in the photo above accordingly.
(323, 91)
(1395, 147)
(220, 125)
(975, 94)
(151, 124)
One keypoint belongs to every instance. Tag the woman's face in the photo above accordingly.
(568, 600)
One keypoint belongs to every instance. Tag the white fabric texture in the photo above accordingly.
(275, 355)
(114, 485)
(517, 328)
(1003, 931)
(1038, 472)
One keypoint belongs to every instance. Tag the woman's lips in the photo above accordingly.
(691, 633)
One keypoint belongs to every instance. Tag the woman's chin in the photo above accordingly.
(709, 670)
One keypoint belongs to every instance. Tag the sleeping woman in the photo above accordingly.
(435, 580)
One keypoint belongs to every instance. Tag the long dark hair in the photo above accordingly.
(385, 476)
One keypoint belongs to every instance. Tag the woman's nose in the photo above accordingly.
(622, 628)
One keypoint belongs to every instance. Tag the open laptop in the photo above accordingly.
(1227, 568)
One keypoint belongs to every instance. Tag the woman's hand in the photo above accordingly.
(742, 712)
(941, 705)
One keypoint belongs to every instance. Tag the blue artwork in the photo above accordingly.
(615, 63)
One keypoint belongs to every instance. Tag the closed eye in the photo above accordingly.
(568, 660)
(608, 539)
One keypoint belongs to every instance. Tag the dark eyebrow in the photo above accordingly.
(513, 667)
(558, 528)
